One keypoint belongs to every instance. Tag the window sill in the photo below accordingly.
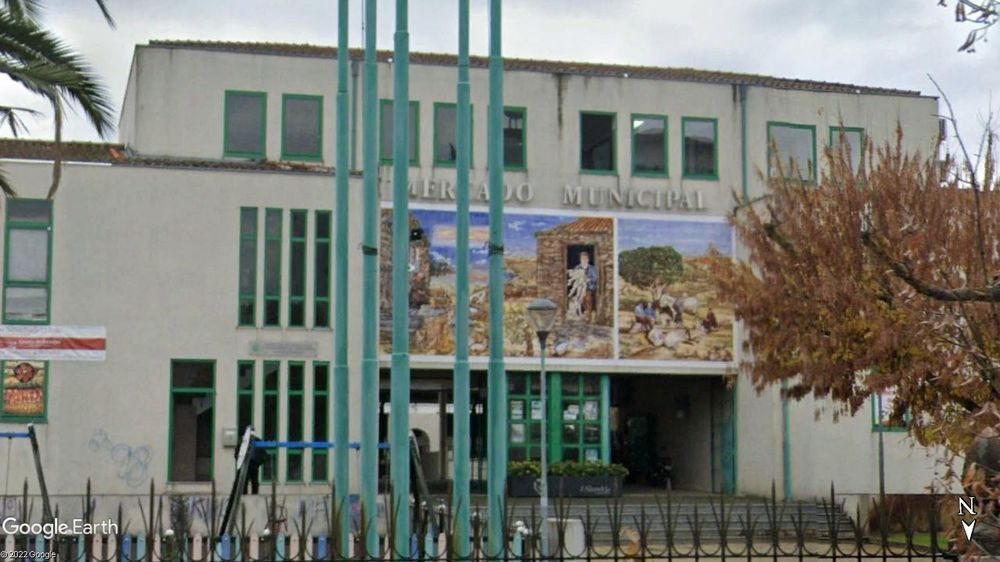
(598, 172)
(654, 175)
(702, 178)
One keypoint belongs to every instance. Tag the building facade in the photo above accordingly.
(202, 242)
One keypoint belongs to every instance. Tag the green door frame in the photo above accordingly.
(170, 416)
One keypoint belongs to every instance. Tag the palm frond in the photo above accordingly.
(35, 57)
(10, 117)
(24, 9)
(5, 184)
(103, 6)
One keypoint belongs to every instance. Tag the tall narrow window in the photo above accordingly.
(272, 267)
(515, 139)
(321, 269)
(25, 387)
(301, 127)
(246, 124)
(244, 395)
(581, 422)
(297, 269)
(192, 420)
(27, 261)
(649, 145)
(321, 419)
(296, 388)
(597, 142)
(526, 413)
(701, 150)
(269, 429)
(854, 137)
(446, 134)
(385, 143)
(791, 150)
(248, 266)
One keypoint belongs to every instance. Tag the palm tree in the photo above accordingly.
(39, 61)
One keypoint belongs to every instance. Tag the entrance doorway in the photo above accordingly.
(192, 419)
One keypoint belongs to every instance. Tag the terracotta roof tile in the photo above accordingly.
(681, 74)
(585, 225)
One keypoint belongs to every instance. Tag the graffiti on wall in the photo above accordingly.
(131, 463)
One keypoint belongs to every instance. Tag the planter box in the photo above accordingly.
(567, 486)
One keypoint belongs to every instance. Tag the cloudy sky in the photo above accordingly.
(893, 43)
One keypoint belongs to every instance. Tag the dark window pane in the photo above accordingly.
(271, 376)
(298, 224)
(591, 434)
(699, 148)
(270, 417)
(245, 376)
(248, 222)
(244, 123)
(246, 409)
(385, 139)
(323, 225)
(192, 374)
(320, 418)
(297, 275)
(191, 437)
(597, 142)
(295, 465)
(517, 454)
(272, 313)
(302, 127)
(445, 133)
(295, 417)
(272, 270)
(272, 223)
(29, 210)
(297, 314)
(319, 465)
(518, 383)
(322, 314)
(793, 148)
(296, 379)
(248, 267)
(322, 378)
(649, 142)
(246, 311)
(513, 138)
(571, 384)
(322, 269)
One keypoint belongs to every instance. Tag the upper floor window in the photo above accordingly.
(446, 134)
(27, 261)
(301, 127)
(854, 137)
(386, 135)
(246, 124)
(791, 151)
(701, 147)
(649, 145)
(515, 139)
(597, 142)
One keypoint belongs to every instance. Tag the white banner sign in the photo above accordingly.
(52, 343)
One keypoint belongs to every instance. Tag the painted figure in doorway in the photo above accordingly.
(582, 290)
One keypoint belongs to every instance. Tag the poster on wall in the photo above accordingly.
(625, 288)
(24, 389)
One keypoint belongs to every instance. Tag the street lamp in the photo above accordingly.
(542, 313)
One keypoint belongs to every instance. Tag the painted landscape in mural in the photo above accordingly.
(567, 259)
(668, 308)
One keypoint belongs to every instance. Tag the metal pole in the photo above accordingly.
(46, 505)
(497, 408)
(460, 417)
(370, 313)
(399, 451)
(341, 400)
(544, 491)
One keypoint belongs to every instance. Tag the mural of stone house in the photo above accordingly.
(420, 261)
(559, 249)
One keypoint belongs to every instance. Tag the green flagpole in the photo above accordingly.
(370, 312)
(340, 388)
(399, 452)
(497, 386)
(460, 417)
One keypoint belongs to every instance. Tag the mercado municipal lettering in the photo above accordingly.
(616, 197)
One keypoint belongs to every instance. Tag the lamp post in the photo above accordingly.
(543, 315)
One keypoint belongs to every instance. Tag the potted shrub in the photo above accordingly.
(589, 479)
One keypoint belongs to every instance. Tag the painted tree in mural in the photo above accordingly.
(36, 59)
(655, 267)
(884, 280)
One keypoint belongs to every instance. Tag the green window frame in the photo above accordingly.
(295, 430)
(245, 375)
(580, 417)
(298, 231)
(270, 424)
(613, 170)
(273, 229)
(688, 150)
(10, 386)
(321, 420)
(177, 390)
(385, 151)
(834, 140)
(525, 413)
(445, 163)
(226, 134)
(290, 154)
(322, 268)
(509, 139)
(878, 423)
(27, 217)
(247, 306)
(771, 125)
(665, 173)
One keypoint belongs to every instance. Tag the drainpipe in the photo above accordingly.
(399, 452)
(370, 313)
(497, 408)
(460, 490)
(340, 374)
(744, 175)
(354, 115)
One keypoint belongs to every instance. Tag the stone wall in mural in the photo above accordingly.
(572, 261)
